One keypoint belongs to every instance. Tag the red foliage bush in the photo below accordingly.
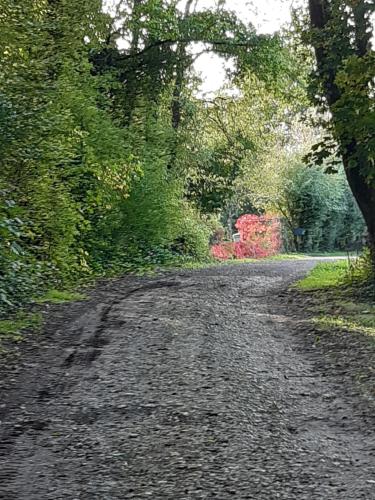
(260, 237)
(223, 251)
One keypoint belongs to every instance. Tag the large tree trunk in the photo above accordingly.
(136, 26)
(365, 196)
(180, 74)
(176, 105)
(330, 57)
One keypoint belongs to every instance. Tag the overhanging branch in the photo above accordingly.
(160, 43)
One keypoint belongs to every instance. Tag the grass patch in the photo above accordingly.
(13, 328)
(59, 297)
(289, 256)
(328, 254)
(344, 314)
(279, 257)
(192, 264)
(229, 262)
(325, 275)
(363, 322)
(337, 303)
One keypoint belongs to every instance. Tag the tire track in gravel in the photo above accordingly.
(189, 386)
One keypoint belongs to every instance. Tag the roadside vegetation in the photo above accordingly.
(112, 161)
(342, 294)
(14, 329)
(326, 275)
(338, 300)
(59, 297)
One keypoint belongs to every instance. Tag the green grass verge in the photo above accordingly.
(59, 297)
(13, 328)
(289, 256)
(279, 257)
(353, 323)
(192, 264)
(328, 254)
(336, 304)
(325, 275)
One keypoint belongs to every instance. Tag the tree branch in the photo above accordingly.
(160, 43)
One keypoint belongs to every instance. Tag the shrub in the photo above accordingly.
(260, 237)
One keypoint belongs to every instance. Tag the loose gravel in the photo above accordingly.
(188, 385)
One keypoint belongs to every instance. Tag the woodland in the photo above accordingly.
(112, 160)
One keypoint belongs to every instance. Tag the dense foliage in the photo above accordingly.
(342, 86)
(98, 121)
(111, 160)
(259, 237)
(323, 207)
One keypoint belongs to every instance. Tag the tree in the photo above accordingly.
(321, 204)
(232, 151)
(63, 159)
(343, 87)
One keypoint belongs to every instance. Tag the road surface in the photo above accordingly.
(188, 385)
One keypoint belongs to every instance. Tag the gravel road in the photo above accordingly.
(188, 385)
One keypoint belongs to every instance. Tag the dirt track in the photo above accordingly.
(192, 385)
